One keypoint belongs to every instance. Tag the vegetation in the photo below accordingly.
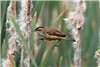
(51, 14)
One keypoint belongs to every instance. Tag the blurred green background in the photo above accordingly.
(51, 14)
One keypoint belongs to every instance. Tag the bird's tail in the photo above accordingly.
(70, 39)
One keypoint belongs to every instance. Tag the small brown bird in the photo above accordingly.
(51, 34)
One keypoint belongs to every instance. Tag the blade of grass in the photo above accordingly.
(57, 19)
(32, 26)
(93, 44)
(87, 28)
(64, 49)
(3, 26)
(22, 39)
(60, 61)
(52, 6)
(37, 8)
(13, 63)
(49, 55)
(40, 54)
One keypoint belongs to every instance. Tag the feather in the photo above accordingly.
(55, 32)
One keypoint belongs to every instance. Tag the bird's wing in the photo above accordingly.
(55, 33)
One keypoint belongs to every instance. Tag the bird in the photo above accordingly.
(51, 34)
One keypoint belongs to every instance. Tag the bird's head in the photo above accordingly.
(38, 29)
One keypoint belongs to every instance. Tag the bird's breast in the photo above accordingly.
(40, 33)
(49, 37)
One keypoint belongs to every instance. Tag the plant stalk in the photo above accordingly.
(29, 21)
(78, 49)
(22, 56)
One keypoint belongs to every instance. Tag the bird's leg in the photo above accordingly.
(55, 44)
(41, 39)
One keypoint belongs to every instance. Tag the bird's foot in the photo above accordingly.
(55, 46)
(41, 39)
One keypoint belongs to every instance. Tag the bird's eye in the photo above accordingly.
(39, 29)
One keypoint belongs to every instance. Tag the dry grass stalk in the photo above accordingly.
(75, 22)
(13, 36)
(29, 20)
(22, 56)
(24, 20)
(23, 26)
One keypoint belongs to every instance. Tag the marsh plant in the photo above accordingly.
(21, 47)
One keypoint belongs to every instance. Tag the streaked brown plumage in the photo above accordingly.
(51, 34)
